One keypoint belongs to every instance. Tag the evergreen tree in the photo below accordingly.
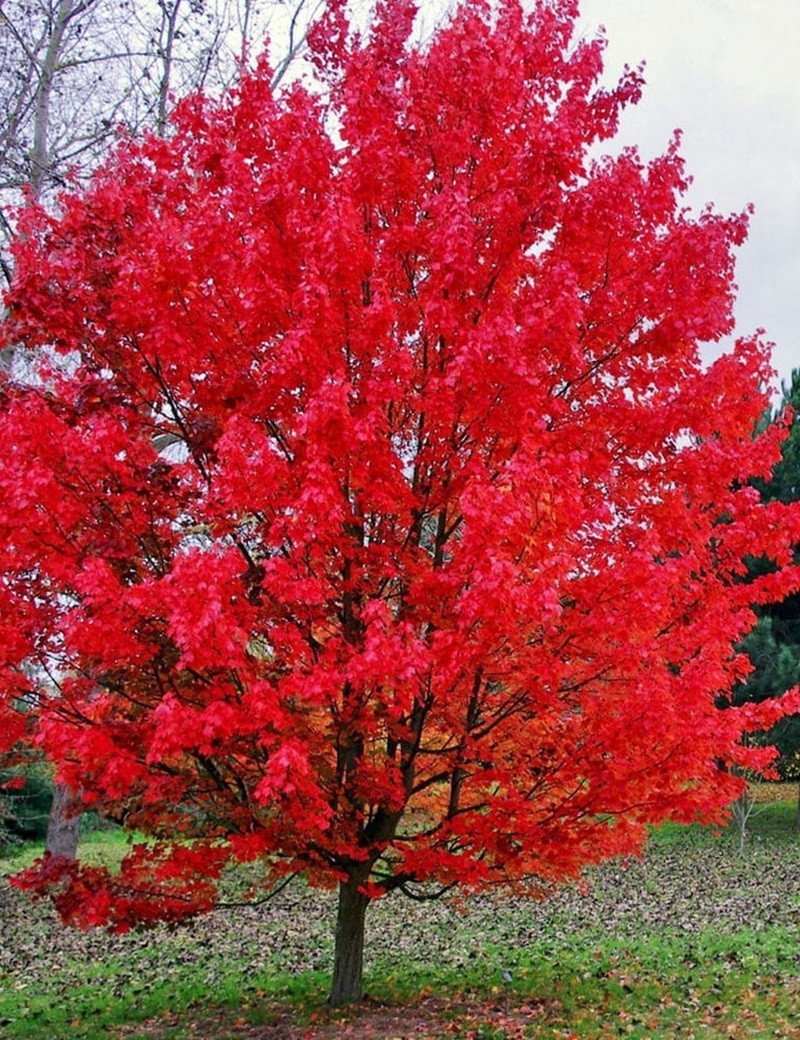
(774, 643)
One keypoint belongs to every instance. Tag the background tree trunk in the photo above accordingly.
(349, 953)
(62, 828)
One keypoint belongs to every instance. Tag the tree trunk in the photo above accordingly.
(40, 152)
(62, 827)
(349, 954)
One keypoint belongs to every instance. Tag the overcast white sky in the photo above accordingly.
(727, 72)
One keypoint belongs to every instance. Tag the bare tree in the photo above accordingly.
(73, 71)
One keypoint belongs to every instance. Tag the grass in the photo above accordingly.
(100, 847)
(694, 939)
(772, 822)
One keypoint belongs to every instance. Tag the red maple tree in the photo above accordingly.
(366, 508)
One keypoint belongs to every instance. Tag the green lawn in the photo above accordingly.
(694, 939)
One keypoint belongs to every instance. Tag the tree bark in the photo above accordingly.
(348, 960)
(62, 829)
(40, 152)
(169, 29)
(62, 826)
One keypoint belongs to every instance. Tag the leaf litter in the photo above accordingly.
(679, 889)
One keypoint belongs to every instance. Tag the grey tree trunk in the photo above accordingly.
(348, 960)
(169, 27)
(62, 826)
(40, 155)
(62, 829)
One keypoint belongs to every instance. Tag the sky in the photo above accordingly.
(727, 73)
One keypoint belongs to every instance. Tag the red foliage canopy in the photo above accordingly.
(366, 508)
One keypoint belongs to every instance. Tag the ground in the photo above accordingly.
(693, 939)
(427, 1018)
